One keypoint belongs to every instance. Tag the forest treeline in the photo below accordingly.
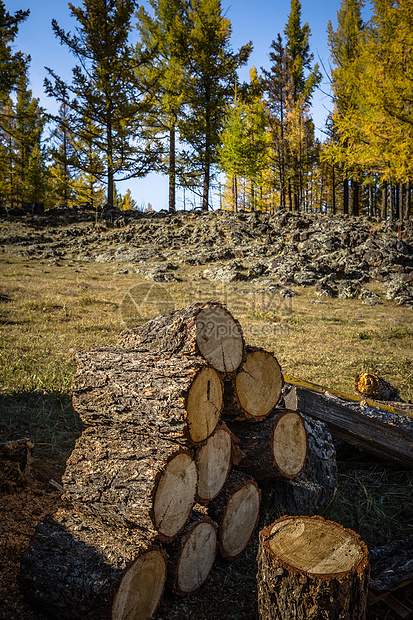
(158, 89)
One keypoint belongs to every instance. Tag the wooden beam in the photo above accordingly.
(380, 430)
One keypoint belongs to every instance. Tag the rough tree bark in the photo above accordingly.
(256, 389)
(175, 397)
(77, 568)
(192, 555)
(132, 478)
(309, 568)
(236, 511)
(205, 329)
(274, 448)
(370, 385)
(213, 461)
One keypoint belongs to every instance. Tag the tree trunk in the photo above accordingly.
(15, 461)
(274, 448)
(345, 196)
(236, 511)
(309, 568)
(172, 169)
(178, 397)
(407, 203)
(213, 461)
(354, 198)
(77, 568)
(133, 479)
(256, 389)
(333, 189)
(235, 192)
(314, 487)
(208, 330)
(205, 191)
(384, 201)
(192, 555)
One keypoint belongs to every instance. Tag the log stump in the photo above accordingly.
(140, 480)
(192, 555)
(256, 389)
(309, 569)
(213, 461)
(77, 568)
(273, 449)
(175, 397)
(205, 329)
(314, 487)
(236, 511)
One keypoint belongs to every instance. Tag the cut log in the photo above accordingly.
(378, 430)
(15, 461)
(213, 462)
(77, 568)
(370, 385)
(274, 448)
(176, 397)
(309, 568)
(205, 329)
(192, 555)
(135, 479)
(236, 511)
(256, 389)
(314, 487)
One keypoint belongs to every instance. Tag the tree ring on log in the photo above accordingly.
(290, 443)
(213, 462)
(219, 338)
(240, 520)
(197, 557)
(175, 495)
(204, 404)
(314, 546)
(140, 589)
(259, 383)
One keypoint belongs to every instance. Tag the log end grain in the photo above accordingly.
(259, 383)
(219, 338)
(290, 444)
(319, 564)
(213, 463)
(204, 404)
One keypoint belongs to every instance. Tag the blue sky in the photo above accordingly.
(256, 20)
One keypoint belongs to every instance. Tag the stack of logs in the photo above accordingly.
(181, 421)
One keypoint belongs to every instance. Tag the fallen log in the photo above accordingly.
(256, 389)
(78, 568)
(273, 449)
(205, 329)
(236, 511)
(391, 566)
(15, 463)
(370, 385)
(213, 461)
(314, 487)
(134, 479)
(175, 397)
(309, 568)
(192, 555)
(378, 430)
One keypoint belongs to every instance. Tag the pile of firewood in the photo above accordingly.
(181, 421)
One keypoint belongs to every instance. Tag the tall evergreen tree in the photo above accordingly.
(12, 64)
(107, 104)
(210, 80)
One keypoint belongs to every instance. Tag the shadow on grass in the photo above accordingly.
(47, 418)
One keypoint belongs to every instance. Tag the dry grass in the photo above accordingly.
(46, 310)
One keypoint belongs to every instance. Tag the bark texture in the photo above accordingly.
(134, 479)
(310, 569)
(256, 389)
(15, 460)
(79, 568)
(314, 487)
(273, 449)
(236, 511)
(175, 397)
(192, 555)
(205, 329)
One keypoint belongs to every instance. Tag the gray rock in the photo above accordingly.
(347, 289)
(368, 298)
